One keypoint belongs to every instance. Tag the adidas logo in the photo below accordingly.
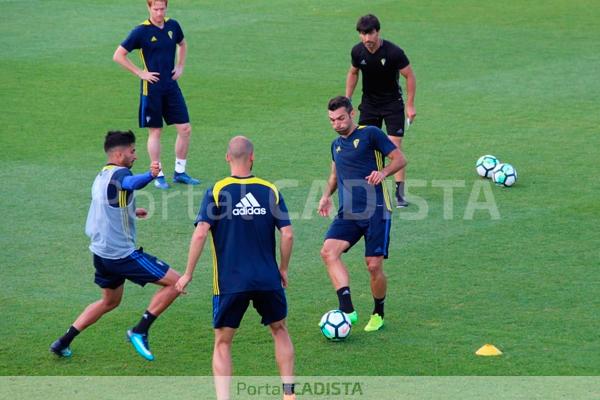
(248, 205)
(363, 62)
(154, 39)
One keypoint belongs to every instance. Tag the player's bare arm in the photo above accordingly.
(330, 188)
(351, 81)
(120, 57)
(285, 253)
(411, 89)
(178, 70)
(196, 246)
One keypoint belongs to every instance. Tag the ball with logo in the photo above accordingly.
(485, 165)
(504, 175)
(335, 325)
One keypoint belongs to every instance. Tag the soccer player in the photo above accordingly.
(242, 213)
(157, 39)
(381, 62)
(358, 173)
(111, 228)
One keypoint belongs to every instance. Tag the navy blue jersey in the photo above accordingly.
(355, 157)
(243, 214)
(380, 71)
(157, 50)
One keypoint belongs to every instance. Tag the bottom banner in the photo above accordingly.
(306, 387)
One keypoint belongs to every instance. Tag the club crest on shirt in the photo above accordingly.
(383, 61)
(170, 33)
(355, 143)
(338, 149)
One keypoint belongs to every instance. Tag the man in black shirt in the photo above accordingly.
(381, 63)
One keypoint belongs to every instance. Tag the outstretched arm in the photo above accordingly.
(196, 246)
(137, 182)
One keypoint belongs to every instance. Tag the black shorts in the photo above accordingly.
(375, 230)
(138, 267)
(163, 103)
(392, 113)
(229, 309)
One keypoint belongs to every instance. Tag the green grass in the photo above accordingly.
(514, 79)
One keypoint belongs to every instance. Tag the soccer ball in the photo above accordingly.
(485, 165)
(504, 175)
(335, 325)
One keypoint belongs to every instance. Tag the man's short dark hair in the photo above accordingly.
(367, 24)
(339, 102)
(118, 138)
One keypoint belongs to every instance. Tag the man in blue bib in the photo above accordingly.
(157, 40)
(358, 173)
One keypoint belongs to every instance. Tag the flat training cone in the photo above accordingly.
(488, 350)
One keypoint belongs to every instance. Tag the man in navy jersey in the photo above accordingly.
(111, 228)
(157, 39)
(358, 173)
(242, 213)
(381, 62)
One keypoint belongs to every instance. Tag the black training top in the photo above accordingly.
(380, 71)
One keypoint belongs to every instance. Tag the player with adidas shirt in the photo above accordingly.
(242, 213)
(358, 174)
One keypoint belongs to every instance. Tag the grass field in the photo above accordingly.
(515, 79)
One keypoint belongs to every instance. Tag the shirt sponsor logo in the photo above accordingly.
(248, 205)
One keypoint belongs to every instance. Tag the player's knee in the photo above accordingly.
(375, 267)
(328, 255)
(170, 278)
(278, 327)
(110, 304)
(185, 130)
(154, 133)
(223, 342)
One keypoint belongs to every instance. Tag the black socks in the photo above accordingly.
(378, 309)
(68, 337)
(145, 323)
(345, 300)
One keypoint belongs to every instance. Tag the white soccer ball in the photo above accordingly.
(504, 175)
(485, 165)
(335, 325)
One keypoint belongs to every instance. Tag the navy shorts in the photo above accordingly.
(139, 267)
(375, 114)
(163, 103)
(229, 309)
(376, 231)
